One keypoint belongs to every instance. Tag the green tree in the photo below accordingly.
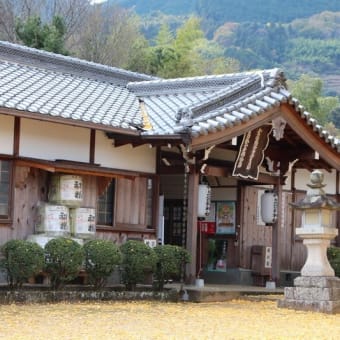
(308, 90)
(187, 53)
(335, 117)
(50, 37)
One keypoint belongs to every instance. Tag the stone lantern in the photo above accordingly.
(317, 288)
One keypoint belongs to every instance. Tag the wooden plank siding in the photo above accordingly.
(292, 251)
(131, 202)
(31, 187)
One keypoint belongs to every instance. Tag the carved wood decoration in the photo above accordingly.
(279, 125)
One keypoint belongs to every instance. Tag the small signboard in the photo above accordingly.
(207, 227)
(251, 153)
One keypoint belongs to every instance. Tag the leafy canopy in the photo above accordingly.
(50, 37)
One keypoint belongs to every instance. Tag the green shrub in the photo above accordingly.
(333, 254)
(101, 259)
(137, 259)
(22, 260)
(64, 258)
(170, 261)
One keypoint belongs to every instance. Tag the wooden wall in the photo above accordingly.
(31, 186)
(292, 251)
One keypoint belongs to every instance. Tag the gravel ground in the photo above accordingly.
(237, 319)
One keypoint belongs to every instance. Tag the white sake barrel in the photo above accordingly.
(66, 190)
(52, 220)
(83, 222)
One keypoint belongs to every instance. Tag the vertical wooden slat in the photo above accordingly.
(276, 236)
(92, 146)
(337, 219)
(16, 142)
(192, 226)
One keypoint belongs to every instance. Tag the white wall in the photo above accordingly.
(6, 134)
(142, 158)
(52, 141)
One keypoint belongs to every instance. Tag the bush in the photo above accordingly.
(137, 259)
(64, 258)
(170, 261)
(333, 254)
(101, 259)
(22, 260)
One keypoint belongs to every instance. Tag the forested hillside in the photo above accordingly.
(216, 12)
(299, 36)
(236, 10)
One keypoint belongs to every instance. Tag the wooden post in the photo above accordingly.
(16, 142)
(192, 225)
(276, 235)
(337, 220)
(92, 146)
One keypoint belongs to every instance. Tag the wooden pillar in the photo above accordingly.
(92, 146)
(16, 142)
(276, 235)
(192, 226)
(337, 220)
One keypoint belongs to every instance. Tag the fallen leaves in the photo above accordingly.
(237, 319)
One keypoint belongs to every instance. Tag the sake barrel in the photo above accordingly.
(66, 190)
(53, 220)
(83, 222)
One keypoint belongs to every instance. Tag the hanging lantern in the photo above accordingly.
(269, 201)
(204, 196)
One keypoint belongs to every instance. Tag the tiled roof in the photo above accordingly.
(203, 105)
(57, 86)
(64, 95)
(65, 64)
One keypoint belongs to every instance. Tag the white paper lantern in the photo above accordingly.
(269, 201)
(204, 194)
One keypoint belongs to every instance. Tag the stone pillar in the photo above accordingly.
(317, 289)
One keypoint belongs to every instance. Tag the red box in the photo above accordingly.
(207, 227)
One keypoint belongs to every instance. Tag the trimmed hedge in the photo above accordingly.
(64, 259)
(22, 260)
(170, 261)
(101, 258)
(333, 254)
(138, 259)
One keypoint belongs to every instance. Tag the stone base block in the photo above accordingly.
(319, 294)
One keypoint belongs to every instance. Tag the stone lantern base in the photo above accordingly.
(313, 293)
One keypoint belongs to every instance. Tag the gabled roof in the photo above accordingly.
(44, 85)
(204, 105)
(64, 64)
(66, 96)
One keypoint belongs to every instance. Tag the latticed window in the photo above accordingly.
(5, 189)
(105, 205)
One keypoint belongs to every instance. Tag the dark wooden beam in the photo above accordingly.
(309, 136)
(92, 146)
(16, 142)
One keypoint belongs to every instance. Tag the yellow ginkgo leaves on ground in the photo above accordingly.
(238, 319)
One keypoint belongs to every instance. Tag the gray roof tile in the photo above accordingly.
(53, 85)
(67, 96)
(60, 63)
(206, 104)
